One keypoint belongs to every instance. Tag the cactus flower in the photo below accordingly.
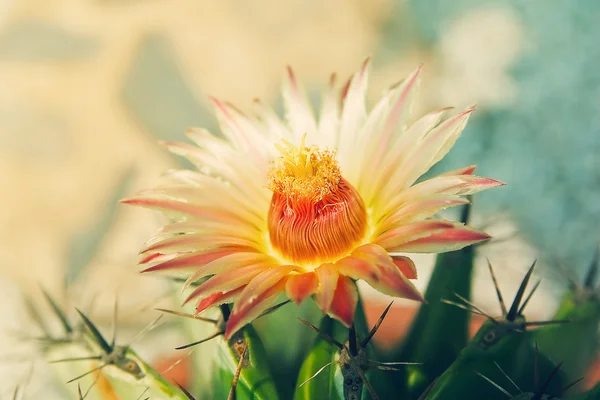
(307, 206)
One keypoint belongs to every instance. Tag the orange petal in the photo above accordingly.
(256, 297)
(406, 266)
(226, 281)
(328, 277)
(299, 287)
(448, 240)
(217, 299)
(344, 301)
(372, 264)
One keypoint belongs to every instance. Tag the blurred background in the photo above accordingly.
(88, 88)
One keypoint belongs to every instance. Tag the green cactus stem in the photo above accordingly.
(581, 306)
(499, 349)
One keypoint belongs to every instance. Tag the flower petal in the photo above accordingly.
(298, 111)
(215, 213)
(440, 242)
(406, 266)
(198, 242)
(461, 171)
(193, 260)
(343, 305)
(419, 209)
(377, 179)
(299, 286)
(397, 118)
(217, 299)
(372, 264)
(230, 262)
(226, 281)
(354, 111)
(425, 154)
(327, 275)
(407, 233)
(256, 297)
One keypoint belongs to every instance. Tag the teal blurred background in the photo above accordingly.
(90, 86)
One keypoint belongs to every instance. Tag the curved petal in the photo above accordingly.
(343, 305)
(443, 241)
(257, 297)
(299, 286)
(217, 299)
(406, 266)
(372, 264)
(425, 154)
(230, 262)
(226, 281)
(419, 209)
(407, 233)
(194, 260)
(194, 242)
(327, 274)
(298, 111)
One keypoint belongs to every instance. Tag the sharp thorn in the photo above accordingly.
(75, 359)
(352, 341)
(459, 305)
(147, 329)
(316, 373)
(514, 308)
(95, 333)
(542, 323)
(500, 388)
(540, 393)
(187, 346)
(497, 287)
(395, 362)
(471, 304)
(529, 296)
(87, 373)
(426, 392)
(186, 315)
(273, 308)
(570, 385)
(59, 313)
(185, 391)
(508, 377)
(375, 328)
(143, 393)
(322, 334)
(115, 323)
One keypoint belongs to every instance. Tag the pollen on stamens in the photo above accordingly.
(303, 172)
(315, 214)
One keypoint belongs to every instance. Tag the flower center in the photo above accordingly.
(315, 215)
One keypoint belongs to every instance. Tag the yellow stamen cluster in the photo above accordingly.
(303, 172)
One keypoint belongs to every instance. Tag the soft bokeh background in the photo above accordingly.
(90, 86)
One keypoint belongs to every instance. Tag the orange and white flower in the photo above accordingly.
(308, 206)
